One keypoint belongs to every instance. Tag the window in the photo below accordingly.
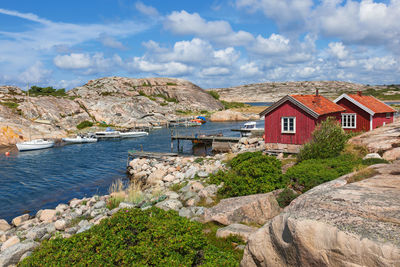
(288, 124)
(388, 115)
(349, 121)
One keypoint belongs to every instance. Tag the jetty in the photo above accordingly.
(218, 142)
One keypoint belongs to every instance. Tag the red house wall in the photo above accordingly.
(380, 118)
(305, 124)
(362, 117)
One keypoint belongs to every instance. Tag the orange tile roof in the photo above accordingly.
(318, 104)
(372, 103)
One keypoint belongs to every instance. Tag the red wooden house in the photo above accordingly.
(363, 113)
(292, 119)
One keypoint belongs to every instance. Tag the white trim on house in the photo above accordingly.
(348, 119)
(287, 130)
(371, 119)
(355, 102)
(292, 100)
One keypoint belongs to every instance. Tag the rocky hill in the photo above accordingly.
(273, 91)
(123, 102)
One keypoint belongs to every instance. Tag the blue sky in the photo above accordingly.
(213, 43)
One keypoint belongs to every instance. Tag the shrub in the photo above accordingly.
(134, 237)
(328, 140)
(251, 173)
(11, 105)
(46, 91)
(84, 124)
(285, 197)
(361, 175)
(373, 161)
(171, 84)
(310, 173)
(228, 105)
(213, 94)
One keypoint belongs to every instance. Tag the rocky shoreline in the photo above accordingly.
(177, 183)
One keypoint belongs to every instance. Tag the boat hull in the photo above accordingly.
(133, 134)
(79, 140)
(26, 146)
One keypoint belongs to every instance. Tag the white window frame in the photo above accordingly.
(345, 119)
(288, 120)
(387, 115)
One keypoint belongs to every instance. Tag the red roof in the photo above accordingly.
(318, 104)
(372, 103)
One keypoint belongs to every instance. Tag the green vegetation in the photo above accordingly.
(153, 97)
(361, 175)
(106, 93)
(179, 186)
(373, 161)
(312, 172)
(382, 94)
(199, 160)
(46, 91)
(285, 197)
(328, 140)
(213, 94)
(10, 104)
(146, 84)
(251, 173)
(138, 238)
(171, 84)
(228, 105)
(84, 124)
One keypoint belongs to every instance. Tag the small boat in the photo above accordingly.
(108, 133)
(248, 127)
(202, 119)
(80, 139)
(132, 134)
(195, 122)
(35, 144)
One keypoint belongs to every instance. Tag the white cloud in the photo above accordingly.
(36, 74)
(73, 61)
(290, 15)
(338, 50)
(109, 41)
(220, 31)
(275, 44)
(250, 69)
(169, 69)
(215, 71)
(147, 10)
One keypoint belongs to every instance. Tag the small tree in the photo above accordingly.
(328, 140)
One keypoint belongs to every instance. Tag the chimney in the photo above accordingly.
(359, 93)
(316, 92)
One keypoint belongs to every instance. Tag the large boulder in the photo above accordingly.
(392, 154)
(236, 229)
(4, 226)
(13, 254)
(247, 209)
(335, 224)
(20, 219)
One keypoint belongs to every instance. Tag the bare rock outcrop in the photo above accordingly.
(384, 140)
(231, 115)
(247, 209)
(273, 91)
(335, 224)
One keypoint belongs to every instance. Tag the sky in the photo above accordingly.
(212, 43)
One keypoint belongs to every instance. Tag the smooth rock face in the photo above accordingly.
(4, 226)
(20, 219)
(230, 115)
(47, 215)
(392, 154)
(10, 242)
(335, 224)
(236, 229)
(247, 209)
(13, 254)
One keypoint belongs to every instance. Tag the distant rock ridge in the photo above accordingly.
(123, 102)
(273, 91)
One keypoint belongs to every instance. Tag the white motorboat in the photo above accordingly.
(108, 133)
(79, 140)
(132, 134)
(248, 127)
(34, 145)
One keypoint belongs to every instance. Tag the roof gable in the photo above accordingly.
(312, 104)
(368, 103)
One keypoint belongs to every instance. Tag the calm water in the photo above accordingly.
(34, 180)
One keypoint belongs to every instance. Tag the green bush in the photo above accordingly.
(46, 91)
(251, 173)
(171, 84)
(373, 161)
(213, 94)
(328, 140)
(11, 105)
(310, 173)
(228, 105)
(285, 197)
(84, 124)
(136, 238)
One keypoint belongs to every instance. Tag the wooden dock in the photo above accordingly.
(212, 140)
